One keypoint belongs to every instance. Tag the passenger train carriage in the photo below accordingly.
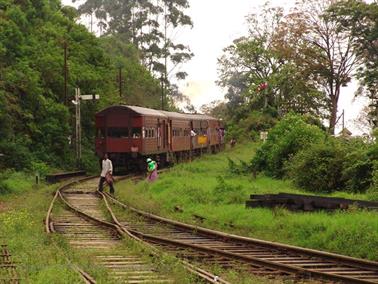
(130, 134)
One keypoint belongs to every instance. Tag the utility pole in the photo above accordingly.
(162, 93)
(76, 102)
(65, 46)
(77, 127)
(343, 119)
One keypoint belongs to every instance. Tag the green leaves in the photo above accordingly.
(150, 26)
(35, 125)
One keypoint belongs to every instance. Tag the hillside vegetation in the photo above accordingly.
(36, 116)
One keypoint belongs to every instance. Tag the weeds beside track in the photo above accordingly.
(263, 258)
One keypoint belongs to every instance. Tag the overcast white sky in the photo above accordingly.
(216, 24)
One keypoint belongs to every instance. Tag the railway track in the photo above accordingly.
(259, 257)
(84, 224)
(8, 268)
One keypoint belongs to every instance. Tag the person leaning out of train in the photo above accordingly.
(106, 174)
(152, 173)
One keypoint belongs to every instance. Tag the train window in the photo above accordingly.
(118, 132)
(100, 132)
(176, 132)
(149, 133)
(136, 132)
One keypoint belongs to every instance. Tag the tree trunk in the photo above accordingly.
(333, 118)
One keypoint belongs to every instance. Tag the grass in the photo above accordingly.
(165, 261)
(43, 258)
(22, 229)
(206, 188)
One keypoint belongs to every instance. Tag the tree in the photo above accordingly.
(327, 52)
(360, 20)
(35, 124)
(151, 26)
(260, 73)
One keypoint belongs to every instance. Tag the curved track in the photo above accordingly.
(261, 257)
(84, 225)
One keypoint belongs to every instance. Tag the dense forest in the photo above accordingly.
(123, 65)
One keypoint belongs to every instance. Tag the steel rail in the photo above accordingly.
(49, 227)
(303, 272)
(205, 275)
(208, 277)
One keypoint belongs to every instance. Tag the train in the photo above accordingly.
(131, 134)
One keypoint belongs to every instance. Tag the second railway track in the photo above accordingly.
(85, 224)
(259, 257)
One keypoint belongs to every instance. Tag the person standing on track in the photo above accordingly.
(106, 174)
(152, 170)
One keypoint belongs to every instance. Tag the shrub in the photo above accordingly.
(242, 168)
(40, 167)
(17, 153)
(227, 193)
(287, 138)
(318, 167)
(257, 121)
(358, 166)
(372, 192)
(4, 187)
(250, 126)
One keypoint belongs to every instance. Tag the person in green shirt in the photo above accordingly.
(152, 170)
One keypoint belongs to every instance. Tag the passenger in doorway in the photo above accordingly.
(106, 174)
(152, 173)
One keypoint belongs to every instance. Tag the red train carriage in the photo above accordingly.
(129, 134)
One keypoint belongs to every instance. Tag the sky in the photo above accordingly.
(216, 24)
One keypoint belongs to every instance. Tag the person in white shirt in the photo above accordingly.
(106, 174)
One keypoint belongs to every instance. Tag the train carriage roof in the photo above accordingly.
(136, 109)
(157, 113)
(175, 115)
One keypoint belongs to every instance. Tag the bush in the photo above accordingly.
(358, 166)
(257, 121)
(16, 154)
(242, 168)
(227, 193)
(40, 167)
(13, 182)
(372, 192)
(251, 126)
(288, 137)
(319, 167)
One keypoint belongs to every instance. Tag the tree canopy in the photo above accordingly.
(35, 119)
(299, 60)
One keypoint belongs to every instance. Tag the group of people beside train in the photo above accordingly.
(107, 173)
(152, 166)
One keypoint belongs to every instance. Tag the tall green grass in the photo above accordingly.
(41, 258)
(206, 187)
